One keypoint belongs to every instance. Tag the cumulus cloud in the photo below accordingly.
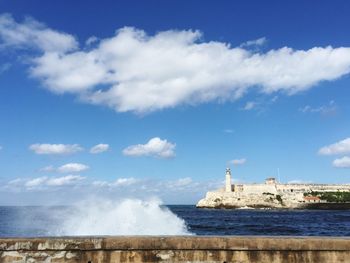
(66, 168)
(134, 71)
(36, 182)
(45, 181)
(99, 148)
(127, 181)
(340, 147)
(124, 181)
(181, 190)
(155, 147)
(64, 180)
(31, 33)
(148, 185)
(72, 168)
(238, 161)
(58, 149)
(343, 162)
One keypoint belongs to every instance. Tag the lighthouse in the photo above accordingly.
(228, 180)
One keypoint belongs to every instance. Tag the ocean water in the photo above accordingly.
(265, 222)
(135, 218)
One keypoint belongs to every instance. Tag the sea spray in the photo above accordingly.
(122, 217)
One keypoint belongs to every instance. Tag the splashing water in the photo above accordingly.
(123, 217)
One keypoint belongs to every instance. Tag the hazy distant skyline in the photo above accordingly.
(156, 98)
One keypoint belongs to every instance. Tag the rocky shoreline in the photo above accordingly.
(225, 201)
(318, 206)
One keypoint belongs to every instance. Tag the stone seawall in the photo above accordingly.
(175, 249)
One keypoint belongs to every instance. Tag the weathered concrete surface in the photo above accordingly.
(175, 249)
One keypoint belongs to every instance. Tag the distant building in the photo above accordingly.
(312, 199)
(228, 186)
(270, 194)
(270, 180)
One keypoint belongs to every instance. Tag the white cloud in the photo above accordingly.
(100, 183)
(71, 187)
(124, 181)
(47, 169)
(99, 148)
(343, 162)
(148, 185)
(260, 104)
(154, 147)
(66, 168)
(64, 180)
(144, 73)
(127, 181)
(331, 108)
(238, 161)
(72, 168)
(91, 40)
(178, 185)
(183, 181)
(340, 147)
(31, 33)
(249, 105)
(46, 148)
(257, 42)
(45, 181)
(36, 182)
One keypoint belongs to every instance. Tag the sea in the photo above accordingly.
(155, 219)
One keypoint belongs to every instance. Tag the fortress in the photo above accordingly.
(273, 194)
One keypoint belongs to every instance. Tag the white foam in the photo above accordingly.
(122, 217)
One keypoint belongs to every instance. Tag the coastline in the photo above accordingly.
(275, 195)
(308, 206)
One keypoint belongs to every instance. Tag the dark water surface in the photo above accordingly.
(42, 221)
(265, 222)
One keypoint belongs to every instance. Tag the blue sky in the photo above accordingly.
(264, 84)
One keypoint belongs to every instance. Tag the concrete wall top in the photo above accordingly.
(244, 243)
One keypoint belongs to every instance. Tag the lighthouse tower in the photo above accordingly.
(228, 187)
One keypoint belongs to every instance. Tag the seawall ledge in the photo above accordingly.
(98, 249)
(176, 242)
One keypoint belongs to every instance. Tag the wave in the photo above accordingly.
(122, 217)
(245, 207)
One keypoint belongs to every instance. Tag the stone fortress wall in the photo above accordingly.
(277, 187)
(269, 194)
